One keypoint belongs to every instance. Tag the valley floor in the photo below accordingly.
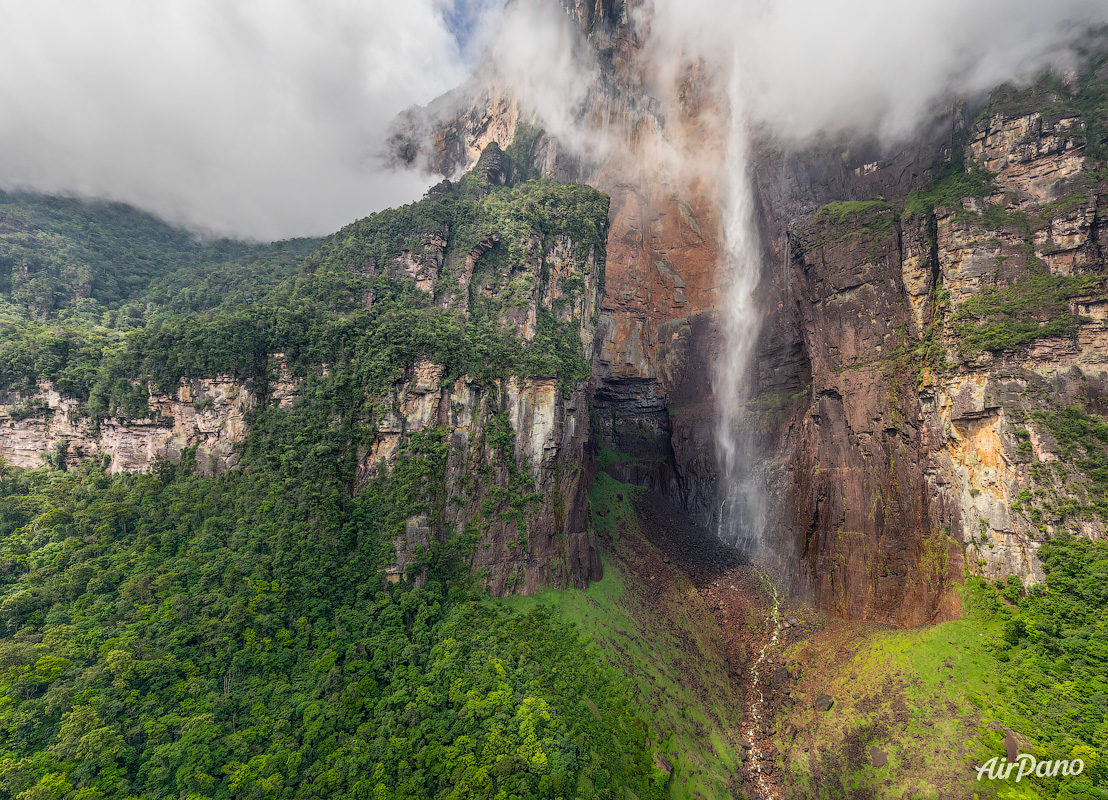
(684, 618)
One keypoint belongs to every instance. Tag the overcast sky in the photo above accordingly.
(264, 118)
(256, 118)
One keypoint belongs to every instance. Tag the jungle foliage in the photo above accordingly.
(176, 635)
(170, 635)
(1054, 658)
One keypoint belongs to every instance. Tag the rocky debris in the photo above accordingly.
(878, 757)
(824, 703)
(734, 593)
(663, 764)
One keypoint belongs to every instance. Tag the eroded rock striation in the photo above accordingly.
(206, 414)
(926, 323)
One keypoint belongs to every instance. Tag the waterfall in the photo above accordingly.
(741, 515)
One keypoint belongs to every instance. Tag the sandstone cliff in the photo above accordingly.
(943, 349)
(519, 462)
(208, 414)
(889, 470)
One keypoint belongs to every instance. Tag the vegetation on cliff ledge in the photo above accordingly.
(171, 635)
(947, 190)
(1006, 317)
(870, 219)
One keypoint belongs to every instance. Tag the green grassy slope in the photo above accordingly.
(650, 623)
(937, 699)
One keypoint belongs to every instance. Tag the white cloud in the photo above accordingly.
(257, 118)
(810, 66)
(265, 118)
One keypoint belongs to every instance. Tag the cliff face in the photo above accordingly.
(208, 414)
(917, 357)
(902, 440)
(943, 349)
(1005, 469)
(518, 462)
(859, 512)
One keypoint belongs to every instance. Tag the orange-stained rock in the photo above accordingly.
(884, 471)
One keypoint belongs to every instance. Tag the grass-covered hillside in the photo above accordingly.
(938, 701)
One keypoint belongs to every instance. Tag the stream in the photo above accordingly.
(757, 697)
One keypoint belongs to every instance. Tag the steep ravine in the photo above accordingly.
(905, 416)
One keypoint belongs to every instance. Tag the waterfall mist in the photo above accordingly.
(741, 516)
(797, 71)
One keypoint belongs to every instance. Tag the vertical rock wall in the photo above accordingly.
(923, 446)
(519, 451)
(208, 414)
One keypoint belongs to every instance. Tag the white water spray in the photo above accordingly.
(742, 502)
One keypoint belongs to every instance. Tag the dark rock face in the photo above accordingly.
(859, 499)
(555, 546)
(901, 463)
(886, 476)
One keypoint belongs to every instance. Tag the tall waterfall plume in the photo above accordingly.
(741, 514)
